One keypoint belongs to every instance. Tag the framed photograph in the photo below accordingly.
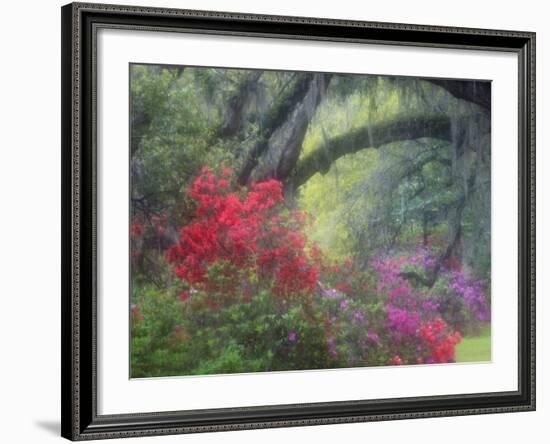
(281, 221)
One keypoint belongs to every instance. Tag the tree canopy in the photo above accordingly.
(376, 160)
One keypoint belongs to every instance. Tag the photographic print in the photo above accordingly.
(285, 220)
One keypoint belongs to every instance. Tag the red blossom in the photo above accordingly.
(249, 232)
(184, 295)
(440, 343)
(396, 360)
(136, 230)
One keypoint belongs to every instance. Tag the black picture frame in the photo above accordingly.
(80, 420)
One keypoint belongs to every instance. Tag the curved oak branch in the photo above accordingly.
(371, 136)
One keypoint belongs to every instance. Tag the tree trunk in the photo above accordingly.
(284, 107)
(234, 117)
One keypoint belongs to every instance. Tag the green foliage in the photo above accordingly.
(233, 338)
(155, 345)
(378, 201)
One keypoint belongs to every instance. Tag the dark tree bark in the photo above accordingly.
(284, 107)
(474, 92)
(301, 119)
(234, 117)
(140, 122)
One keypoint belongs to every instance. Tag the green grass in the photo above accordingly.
(475, 348)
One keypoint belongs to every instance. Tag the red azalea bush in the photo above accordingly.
(251, 231)
(440, 344)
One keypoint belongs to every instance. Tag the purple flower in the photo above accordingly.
(430, 306)
(402, 322)
(331, 293)
(358, 315)
(429, 262)
(292, 336)
(473, 295)
(344, 304)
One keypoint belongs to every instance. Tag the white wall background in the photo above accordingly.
(30, 220)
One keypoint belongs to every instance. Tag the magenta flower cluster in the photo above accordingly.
(402, 322)
(388, 317)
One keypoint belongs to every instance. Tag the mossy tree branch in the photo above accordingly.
(371, 136)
